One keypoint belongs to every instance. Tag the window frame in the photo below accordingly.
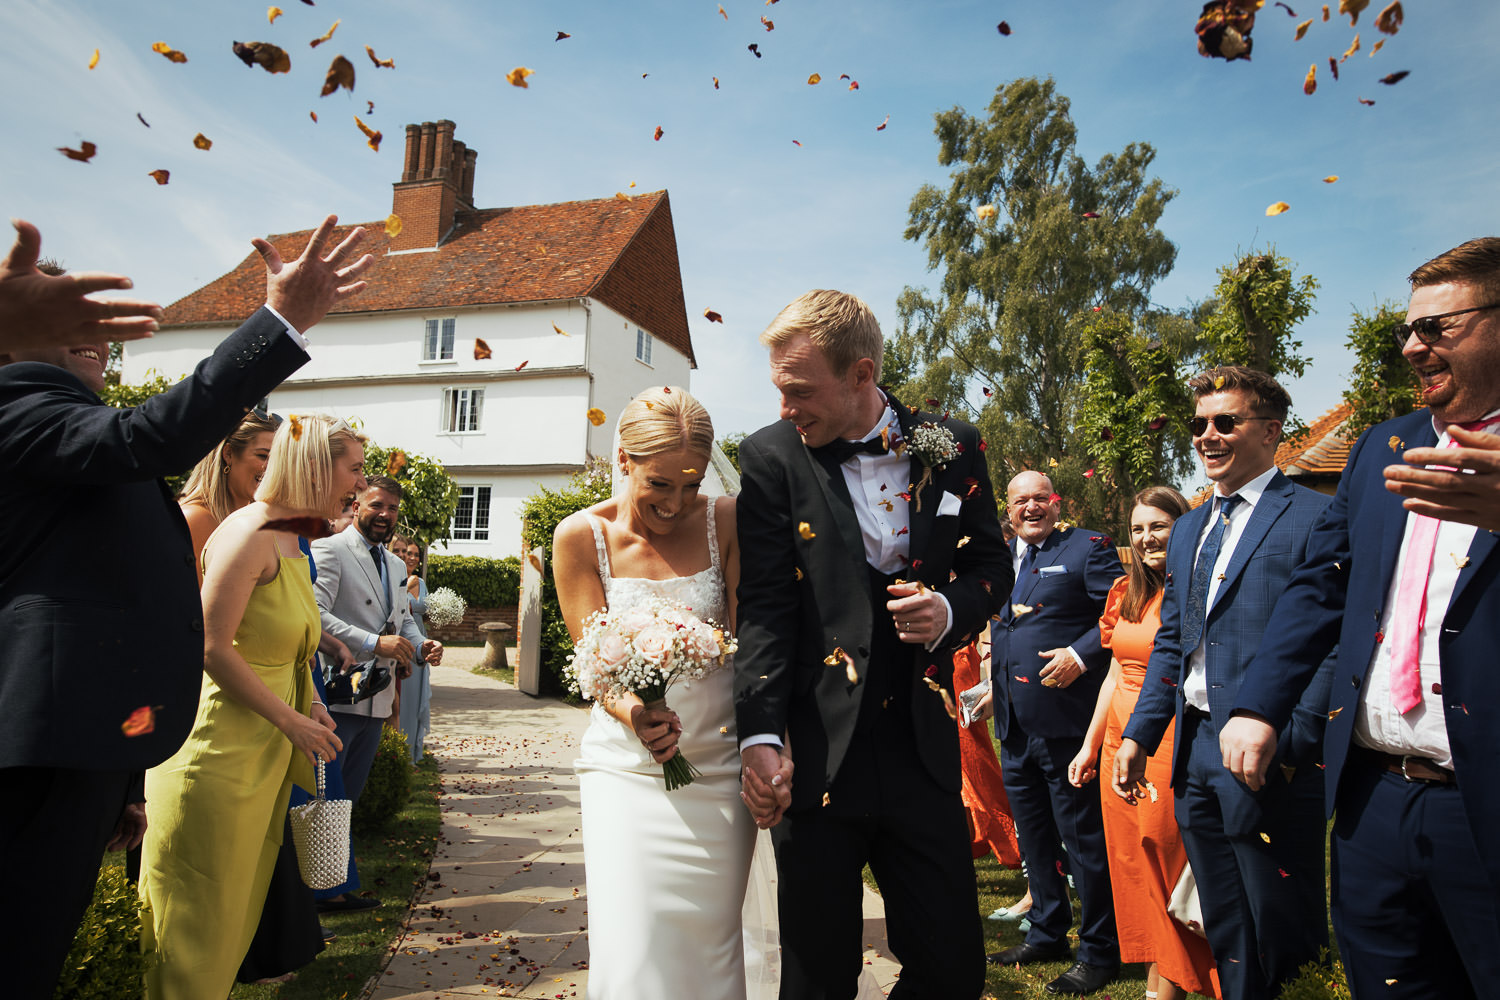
(449, 410)
(644, 339)
(440, 331)
(472, 492)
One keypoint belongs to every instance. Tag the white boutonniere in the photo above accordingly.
(934, 446)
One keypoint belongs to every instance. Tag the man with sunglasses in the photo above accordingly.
(1257, 854)
(1413, 604)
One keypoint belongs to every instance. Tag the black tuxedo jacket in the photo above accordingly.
(99, 600)
(799, 598)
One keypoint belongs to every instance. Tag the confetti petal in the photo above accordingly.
(805, 530)
(314, 116)
(596, 416)
(712, 316)
(1353, 48)
(1310, 84)
(379, 63)
(1353, 9)
(1276, 208)
(716, 83)
(754, 48)
(561, 35)
(306, 526)
(882, 125)
(1331, 179)
(1302, 30)
(172, 54)
(523, 364)
(371, 135)
(657, 134)
(295, 422)
(517, 77)
(986, 213)
(392, 225)
(559, 330)
(140, 118)
(1003, 27)
(721, 12)
(272, 13)
(340, 74)
(482, 350)
(1367, 103)
(84, 153)
(201, 141)
(814, 80)
(1390, 79)
(94, 59)
(1379, 44)
(140, 722)
(770, 24)
(271, 58)
(160, 176)
(325, 36)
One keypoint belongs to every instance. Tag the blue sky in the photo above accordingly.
(758, 219)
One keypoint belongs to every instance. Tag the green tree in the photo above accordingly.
(1028, 240)
(429, 494)
(1257, 305)
(540, 516)
(1382, 384)
(729, 444)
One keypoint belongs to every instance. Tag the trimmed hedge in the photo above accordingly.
(106, 961)
(389, 784)
(484, 583)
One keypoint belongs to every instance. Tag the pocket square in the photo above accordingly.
(949, 505)
(1052, 570)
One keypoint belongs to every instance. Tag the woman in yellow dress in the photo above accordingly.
(215, 809)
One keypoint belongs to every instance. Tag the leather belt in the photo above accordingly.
(1411, 768)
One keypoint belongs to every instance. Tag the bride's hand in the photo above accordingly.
(657, 729)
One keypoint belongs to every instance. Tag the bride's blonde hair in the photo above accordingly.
(665, 418)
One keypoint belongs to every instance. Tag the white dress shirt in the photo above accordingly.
(291, 330)
(1422, 732)
(1195, 688)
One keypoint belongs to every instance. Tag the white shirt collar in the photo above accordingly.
(1440, 428)
(1250, 493)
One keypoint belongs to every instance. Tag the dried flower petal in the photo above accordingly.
(805, 530)
(272, 13)
(295, 422)
(94, 59)
(201, 141)
(986, 213)
(84, 153)
(1276, 208)
(596, 416)
(517, 77)
(371, 135)
(482, 350)
(271, 58)
(172, 54)
(1391, 79)
(561, 35)
(140, 722)
(1309, 85)
(882, 125)
(814, 80)
(712, 316)
(754, 48)
(770, 24)
(393, 225)
(1003, 27)
(1331, 179)
(379, 63)
(1302, 30)
(1353, 8)
(523, 364)
(325, 36)
(340, 74)
(1353, 48)
(160, 176)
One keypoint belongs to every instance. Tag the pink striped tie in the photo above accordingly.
(1411, 602)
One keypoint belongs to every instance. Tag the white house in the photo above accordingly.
(579, 305)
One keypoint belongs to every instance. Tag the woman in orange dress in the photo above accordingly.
(990, 827)
(1146, 856)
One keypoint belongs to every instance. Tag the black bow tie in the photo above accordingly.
(841, 450)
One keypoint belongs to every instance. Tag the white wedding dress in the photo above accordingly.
(667, 871)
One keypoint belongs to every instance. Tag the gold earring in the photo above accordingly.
(224, 470)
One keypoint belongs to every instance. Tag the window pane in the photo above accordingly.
(448, 333)
(482, 514)
(463, 516)
(476, 403)
(429, 341)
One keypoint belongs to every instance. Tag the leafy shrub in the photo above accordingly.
(389, 785)
(429, 496)
(106, 961)
(540, 516)
(1320, 980)
(484, 583)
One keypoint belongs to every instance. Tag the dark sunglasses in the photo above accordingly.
(1224, 423)
(1427, 328)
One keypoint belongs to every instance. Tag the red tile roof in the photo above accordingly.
(622, 253)
(1320, 451)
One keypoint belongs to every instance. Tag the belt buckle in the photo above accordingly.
(1404, 759)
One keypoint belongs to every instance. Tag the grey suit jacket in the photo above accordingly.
(353, 609)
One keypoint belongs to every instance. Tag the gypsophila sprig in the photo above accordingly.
(642, 650)
(934, 446)
(445, 607)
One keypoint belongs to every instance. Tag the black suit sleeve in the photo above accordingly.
(984, 575)
(52, 429)
(1101, 568)
(768, 596)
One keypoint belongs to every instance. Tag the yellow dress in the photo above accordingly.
(215, 809)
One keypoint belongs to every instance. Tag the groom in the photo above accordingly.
(872, 551)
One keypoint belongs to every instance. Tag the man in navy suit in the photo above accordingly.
(1414, 604)
(103, 654)
(1048, 666)
(1257, 853)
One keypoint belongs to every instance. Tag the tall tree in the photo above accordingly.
(1382, 385)
(1028, 239)
(1258, 303)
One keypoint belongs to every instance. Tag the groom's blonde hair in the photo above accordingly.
(838, 324)
(665, 418)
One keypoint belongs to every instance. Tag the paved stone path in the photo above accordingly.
(504, 910)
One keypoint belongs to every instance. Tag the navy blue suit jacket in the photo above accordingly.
(1274, 543)
(1336, 596)
(1066, 591)
(98, 594)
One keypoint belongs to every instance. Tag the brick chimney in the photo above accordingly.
(436, 182)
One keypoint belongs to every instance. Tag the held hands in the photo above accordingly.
(1129, 770)
(395, 647)
(1060, 669)
(1081, 769)
(766, 783)
(921, 616)
(304, 290)
(1248, 743)
(1470, 495)
(657, 729)
(45, 310)
(314, 737)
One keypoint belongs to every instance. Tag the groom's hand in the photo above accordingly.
(765, 783)
(921, 615)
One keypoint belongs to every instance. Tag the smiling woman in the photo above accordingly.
(225, 479)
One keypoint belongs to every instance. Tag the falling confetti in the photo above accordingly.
(596, 416)
(271, 58)
(371, 135)
(814, 80)
(1379, 44)
(1276, 208)
(295, 422)
(1003, 27)
(201, 141)
(1289, 11)
(393, 225)
(1309, 85)
(1223, 29)
(160, 176)
(721, 12)
(1331, 179)
(1219, 382)
(314, 116)
(559, 330)
(1302, 30)
(1353, 9)
(379, 63)
(712, 316)
(482, 350)
(986, 213)
(561, 35)
(142, 120)
(172, 54)
(657, 134)
(395, 463)
(94, 59)
(1366, 102)
(517, 77)
(716, 83)
(340, 74)
(1353, 48)
(523, 364)
(770, 24)
(882, 125)
(1391, 79)
(140, 722)
(84, 153)
(754, 48)
(325, 36)
(805, 530)
(1333, 67)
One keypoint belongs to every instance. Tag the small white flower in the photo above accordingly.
(445, 607)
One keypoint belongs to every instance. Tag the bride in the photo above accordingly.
(666, 871)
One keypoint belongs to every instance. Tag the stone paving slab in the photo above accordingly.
(505, 909)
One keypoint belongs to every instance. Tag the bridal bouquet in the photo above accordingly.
(641, 651)
(445, 607)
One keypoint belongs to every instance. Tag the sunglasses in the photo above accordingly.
(1224, 423)
(1427, 328)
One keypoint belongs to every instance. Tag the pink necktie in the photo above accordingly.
(1411, 603)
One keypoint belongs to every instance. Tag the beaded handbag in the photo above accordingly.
(320, 832)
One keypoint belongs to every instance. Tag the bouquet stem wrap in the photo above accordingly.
(678, 770)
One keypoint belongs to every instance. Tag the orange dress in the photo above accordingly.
(990, 827)
(1146, 856)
